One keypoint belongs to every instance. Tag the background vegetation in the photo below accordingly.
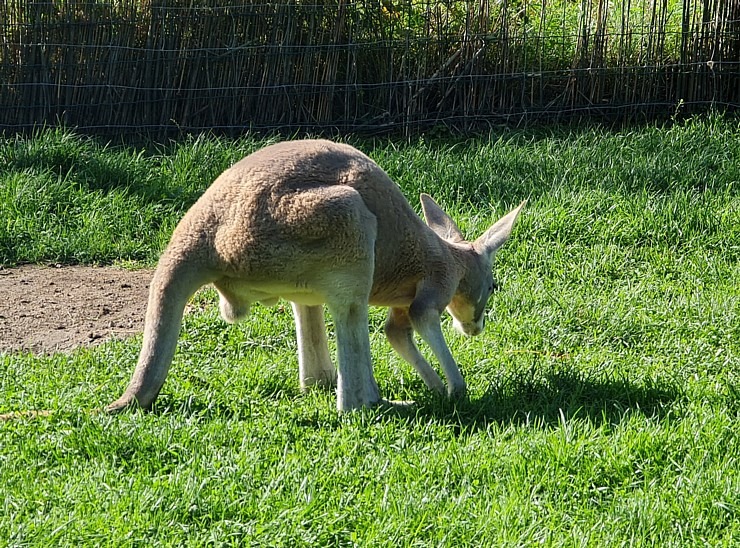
(372, 66)
(604, 394)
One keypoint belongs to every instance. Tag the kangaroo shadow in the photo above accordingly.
(534, 398)
(546, 400)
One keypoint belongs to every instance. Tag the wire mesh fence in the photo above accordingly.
(158, 66)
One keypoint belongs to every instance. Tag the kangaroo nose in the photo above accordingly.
(476, 327)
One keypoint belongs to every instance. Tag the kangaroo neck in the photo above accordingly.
(462, 257)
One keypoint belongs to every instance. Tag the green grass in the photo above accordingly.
(64, 198)
(604, 402)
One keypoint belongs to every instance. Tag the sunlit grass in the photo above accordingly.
(603, 405)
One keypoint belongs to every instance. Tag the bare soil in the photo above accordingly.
(46, 309)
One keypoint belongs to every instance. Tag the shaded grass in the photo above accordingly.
(604, 394)
(71, 199)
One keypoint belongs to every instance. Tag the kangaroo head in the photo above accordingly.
(468, 304)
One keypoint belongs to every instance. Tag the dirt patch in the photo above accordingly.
(52, 309)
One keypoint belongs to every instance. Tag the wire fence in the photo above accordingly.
(163, 66)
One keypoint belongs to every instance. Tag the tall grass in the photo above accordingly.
(603, 402)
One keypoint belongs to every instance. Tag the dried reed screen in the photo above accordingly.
(133, 66)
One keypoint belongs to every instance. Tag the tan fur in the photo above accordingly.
(316, 222)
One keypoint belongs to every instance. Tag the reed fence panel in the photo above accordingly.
(162, 66)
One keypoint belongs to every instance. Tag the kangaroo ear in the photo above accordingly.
(439, 221)
(497, 235)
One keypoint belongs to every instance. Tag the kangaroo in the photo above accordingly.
(315, 222)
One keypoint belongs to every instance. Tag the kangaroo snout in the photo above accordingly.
(470, 329)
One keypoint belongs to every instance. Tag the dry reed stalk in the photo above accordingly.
(201, 64)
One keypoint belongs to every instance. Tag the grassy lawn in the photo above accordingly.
(604, 394)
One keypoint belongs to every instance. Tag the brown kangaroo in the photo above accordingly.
(316, 222)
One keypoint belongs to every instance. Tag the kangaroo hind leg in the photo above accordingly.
(356, 386)
(348, 305)
(347, 289)
(314, 363)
